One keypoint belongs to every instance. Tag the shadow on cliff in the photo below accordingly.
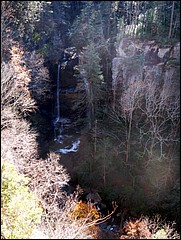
(42, 120)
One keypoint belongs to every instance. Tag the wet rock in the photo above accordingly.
(108, 227)
(93, 197)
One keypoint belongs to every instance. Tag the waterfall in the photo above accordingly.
(58, 93)
(56, 122)
(65, 137)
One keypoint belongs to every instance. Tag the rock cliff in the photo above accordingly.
(145, 60)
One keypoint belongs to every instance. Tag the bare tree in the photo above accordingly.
(15, 81)
(129, 102)
(161, 111)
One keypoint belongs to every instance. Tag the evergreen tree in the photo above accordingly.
(93, 80)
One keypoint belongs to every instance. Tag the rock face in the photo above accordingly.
(68, 81)
(69, 61)
(144, 60)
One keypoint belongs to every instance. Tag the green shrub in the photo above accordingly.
(19, 208)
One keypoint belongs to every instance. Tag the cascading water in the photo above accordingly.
(60, 123)
(56, 122)
(58, 93)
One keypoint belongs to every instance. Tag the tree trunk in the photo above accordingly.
(95, 141)
(104, 174)
(129, 137)
(171, 20)
(91, 106)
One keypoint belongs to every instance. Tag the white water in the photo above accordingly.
(58, 128)
(60, 123)
(74, 148)
(57, 120)
(58, 94)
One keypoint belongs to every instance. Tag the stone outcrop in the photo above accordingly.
(68, 80)
(144, 60)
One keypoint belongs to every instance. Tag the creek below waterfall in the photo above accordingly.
(67, 140)
(65, 136)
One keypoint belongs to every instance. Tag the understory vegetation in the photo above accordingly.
(127, 103)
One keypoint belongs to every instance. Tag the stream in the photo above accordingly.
(63, 134)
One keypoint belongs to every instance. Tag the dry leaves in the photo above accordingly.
(136, 229)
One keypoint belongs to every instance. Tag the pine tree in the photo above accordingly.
(93, 80)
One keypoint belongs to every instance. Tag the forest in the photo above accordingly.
(90, 119)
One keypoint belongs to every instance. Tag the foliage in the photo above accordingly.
(81, 22)
(110, 193)
(160, 234)
(25, 81)
(19, 21)
(19, 207)
(95, 27)
(93, 80)
(149, 228)
(150, 19)
(96, 23)
(136, 229)
(7, 34)
(85, 210)
(50, 38)
(103, 159)
(19, 144)
(147, 105)
(40, 85)
(47, 176)
(81, 38)
(15, 84)
(68, 224)
(27, 15)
